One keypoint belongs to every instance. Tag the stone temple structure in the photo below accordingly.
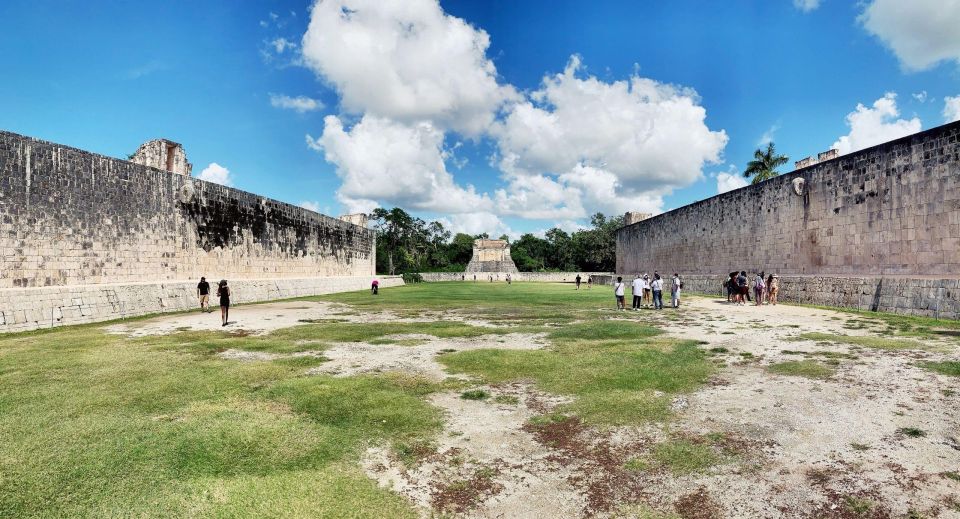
(163, 154)
(877, 229)
(491, 256)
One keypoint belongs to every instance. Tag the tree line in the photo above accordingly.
(409, 244)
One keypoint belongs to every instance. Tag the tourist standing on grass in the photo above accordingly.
(646, 290)
(223, 292)
(203, 292)
(618, 290)
(675, 287)
(508, 279)
(578, 281)
(759, 288)
(774, 288)
(375, 287)
(657, 287)
(589, 282)
(637, 288)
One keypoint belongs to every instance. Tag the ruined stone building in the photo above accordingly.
(491, 256)
(163, 154)
(877, 229)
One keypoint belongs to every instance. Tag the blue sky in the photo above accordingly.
(443, 109)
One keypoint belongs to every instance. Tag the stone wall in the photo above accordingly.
(491, 256)
(72, 218)
(887, 212)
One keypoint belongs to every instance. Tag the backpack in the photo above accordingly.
(681, 284)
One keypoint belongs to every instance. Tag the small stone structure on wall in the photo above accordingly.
(491, 256)
(163, 154)
(877, 229)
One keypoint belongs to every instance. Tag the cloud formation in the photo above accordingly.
(217, 174)
(921, 33)
(806, 5)
(300, 104)
(873, 125)
(730, 181)
(416, 76)
(405, 60)
(951, 109)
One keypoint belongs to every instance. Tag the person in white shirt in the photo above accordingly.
(675, 290)
(657, 287)
(646, 290)
(637, 287)
(618, 290)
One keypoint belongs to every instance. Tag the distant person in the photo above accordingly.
(375, 287)
(491, 278)
(618, 290)
(463, 277)
(589, 282)
(774, 288)
(509, 279)
(743, 289)
(637, 287)
(732, 289)
(578, 281)
(675, 287)
(647, 301)
(203, 293)
(474, 278)
(657, 287)
(223, 292)
(759, 288)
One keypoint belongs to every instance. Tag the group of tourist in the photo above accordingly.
(223, 293)
(648, 292)
(738, 285)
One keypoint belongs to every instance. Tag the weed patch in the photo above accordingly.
(803, 368)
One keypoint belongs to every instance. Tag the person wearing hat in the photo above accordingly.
(223, 292)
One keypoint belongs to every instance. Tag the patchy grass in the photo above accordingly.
(803, 368)
(951, 368)
(912, 432)
(506, 399)
(682, 456)
(880, 343)
(475, 394)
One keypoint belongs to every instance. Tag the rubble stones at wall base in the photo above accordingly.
(23, 309)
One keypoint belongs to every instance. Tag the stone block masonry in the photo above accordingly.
(70, 218)
(884, 220)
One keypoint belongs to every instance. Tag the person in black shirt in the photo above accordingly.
(223, 292)
(203, 292)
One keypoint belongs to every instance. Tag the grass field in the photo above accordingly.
(106, 425)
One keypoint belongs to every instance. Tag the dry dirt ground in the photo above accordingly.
(794, 446)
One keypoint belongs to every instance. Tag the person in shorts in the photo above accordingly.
(203, 292)
(647, 292)
(619, 290)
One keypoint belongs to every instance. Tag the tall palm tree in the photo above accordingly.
(764, 164)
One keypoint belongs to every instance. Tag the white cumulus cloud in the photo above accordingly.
(874, 125)
(217, 174)
(310, 206)
(381, 161)
(806, 5)
(951, 109)
(920, 32)
(282, 44)
(729, 182)
(406, 60)
(300, 104)
(478, 223)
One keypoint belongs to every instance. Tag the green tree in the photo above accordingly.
(764, 164)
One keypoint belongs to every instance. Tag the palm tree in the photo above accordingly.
(764, 164)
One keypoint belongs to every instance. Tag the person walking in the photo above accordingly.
(203, 293)
(618, 290)
(375, 287)
(774, 288)
(675, 292)
(223, 292)
(589, 282)
(759, 288)
(578, 281)
(637, 288)
(646, 290)
(657, 287)
(509, 279)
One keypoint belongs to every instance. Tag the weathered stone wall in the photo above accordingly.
(890, 211)
(491, 256)
(24, 309)
(73, 218)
